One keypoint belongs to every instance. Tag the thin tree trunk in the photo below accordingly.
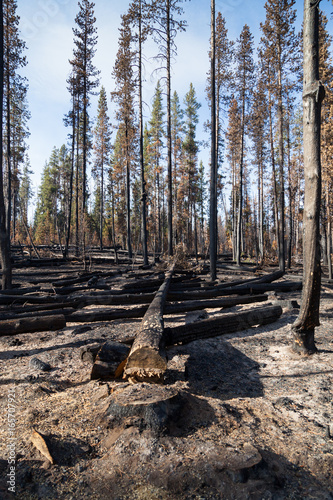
(8, 198)
(213, 170)
(170, 228)
(329, 246)
(128, 195)
(142, 165)
(101, 208)
(4, 235)
(282, 259)
(313, 94)
(69, 215)
(77, 242)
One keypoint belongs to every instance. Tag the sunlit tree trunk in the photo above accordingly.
(313, 94)
(142, 166)
(213, 170)
(4, 234)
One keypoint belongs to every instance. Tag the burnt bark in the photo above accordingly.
(213, 166)
(6, 265)
(221, 325)
(313, 94)
(31, 325)
(147, 361)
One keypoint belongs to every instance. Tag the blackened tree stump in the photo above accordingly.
(147, 406)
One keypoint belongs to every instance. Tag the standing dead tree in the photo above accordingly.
(313, 94)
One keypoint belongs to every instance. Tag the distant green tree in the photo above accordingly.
(190, 149)
(25, 195)
(177, 136)
(279, 47)
(85, 81)
(15, 106)
(124, 97)
(166, 17)
(156, 135)
(244, 80)
(102, 149)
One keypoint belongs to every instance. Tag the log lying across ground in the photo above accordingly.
(147, 360)
(177, 308)
(32, 325)
(226, 323)
(285, 286)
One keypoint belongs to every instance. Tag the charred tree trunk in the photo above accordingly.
(282, 259)
(213, 166)
(69, 214)
(313, 94)
(142, 166)
(4, 233)
(128, 194)
(169, 139)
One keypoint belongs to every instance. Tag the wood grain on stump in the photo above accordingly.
(145, 405)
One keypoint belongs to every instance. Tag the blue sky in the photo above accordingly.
(46, 26)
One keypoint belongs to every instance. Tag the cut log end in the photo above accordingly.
(146, 365)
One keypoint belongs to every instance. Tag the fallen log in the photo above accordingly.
(29, 299)
(147, 360)
(213, 303)
(32, 325)
(139, 312)
(19, 291)
(35, 314)
(267, 278)
(106, 315)
(259, 288)
(221, 325)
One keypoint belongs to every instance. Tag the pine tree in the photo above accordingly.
(156, 134)
(85, 81)
(177, 132)
(223, 89)
(280, 45)
(213, 160)
(165, 14)
(15, 109)
(140, 14)
(25, 195)
(190, 149)
(259, 120)
(313, 94)
(6, 266)
(46, 217)
(124, 97)
(243, 86)
(326, 76)
(233, 137)
(102, 149)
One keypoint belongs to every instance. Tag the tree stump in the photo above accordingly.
(144, 405)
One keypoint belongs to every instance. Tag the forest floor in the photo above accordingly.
(256, 423)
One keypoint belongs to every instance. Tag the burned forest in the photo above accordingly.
(166, 298)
